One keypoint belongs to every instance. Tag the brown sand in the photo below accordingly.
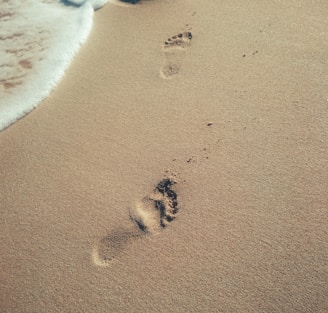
(238, 117)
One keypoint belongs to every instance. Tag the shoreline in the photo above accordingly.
(35, 59)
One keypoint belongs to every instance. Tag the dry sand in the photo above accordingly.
(238, 117)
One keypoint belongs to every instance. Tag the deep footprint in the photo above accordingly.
(158, 209)
(181, 40)
(152, 214)
(168, 206)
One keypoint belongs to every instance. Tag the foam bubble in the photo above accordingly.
(38, 42)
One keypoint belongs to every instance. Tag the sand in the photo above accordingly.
(235, 118)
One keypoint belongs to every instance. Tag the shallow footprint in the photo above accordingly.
(169, 70)
(173, 53)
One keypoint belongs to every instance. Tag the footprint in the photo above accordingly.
(169, 70)
(158, 209)
(149, 216)
(181, 40)
(173, 50)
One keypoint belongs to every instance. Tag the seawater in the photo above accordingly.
(38, 40)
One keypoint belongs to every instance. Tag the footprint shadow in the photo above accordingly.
(153, 213)
(112, 245)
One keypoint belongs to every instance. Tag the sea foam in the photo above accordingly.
(38, 41)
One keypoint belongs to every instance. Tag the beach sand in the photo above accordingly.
(236, 117)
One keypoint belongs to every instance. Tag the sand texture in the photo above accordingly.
(179, 166)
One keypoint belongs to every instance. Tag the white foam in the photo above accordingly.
(37, 43)
(97, 4)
